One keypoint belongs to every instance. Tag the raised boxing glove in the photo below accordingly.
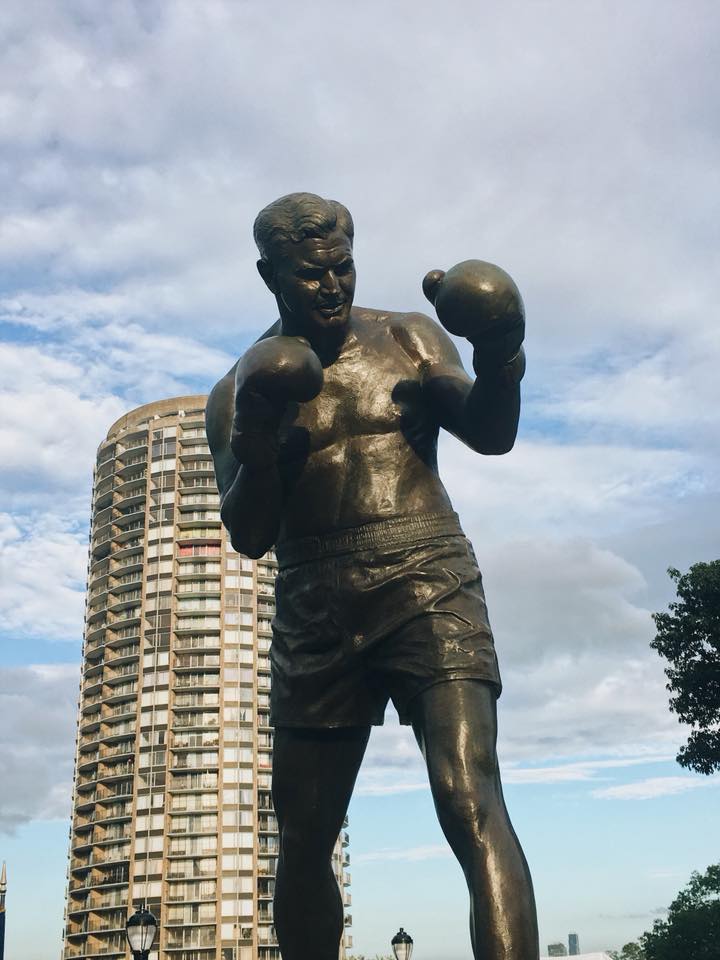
(479, 301)
(271, 374)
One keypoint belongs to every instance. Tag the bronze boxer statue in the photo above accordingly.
(324, 437)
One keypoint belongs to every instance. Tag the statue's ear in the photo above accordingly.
(265, 269)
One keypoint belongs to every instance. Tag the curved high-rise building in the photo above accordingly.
(172, 801)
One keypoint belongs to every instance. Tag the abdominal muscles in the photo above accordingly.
(359, 480)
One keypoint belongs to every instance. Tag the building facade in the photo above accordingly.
(172, 801)
(573, 945)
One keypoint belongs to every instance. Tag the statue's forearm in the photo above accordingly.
(483, 415)
(491, 415)
(251, 509)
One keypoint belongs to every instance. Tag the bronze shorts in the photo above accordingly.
(378, 612)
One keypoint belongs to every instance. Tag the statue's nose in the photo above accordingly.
(330, 282)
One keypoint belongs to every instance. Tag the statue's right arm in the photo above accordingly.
(251, 497)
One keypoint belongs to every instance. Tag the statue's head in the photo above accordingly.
(305, 246)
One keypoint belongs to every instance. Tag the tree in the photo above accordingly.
(692, 928)
(689, 638)
(631, 951)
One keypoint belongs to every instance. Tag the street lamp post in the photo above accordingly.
(402, 945)
(140, 931)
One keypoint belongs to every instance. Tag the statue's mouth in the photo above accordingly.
(331, 308)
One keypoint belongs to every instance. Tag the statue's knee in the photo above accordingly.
(467, 804)
(303, 851)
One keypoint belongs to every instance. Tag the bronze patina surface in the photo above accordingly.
(324, 437)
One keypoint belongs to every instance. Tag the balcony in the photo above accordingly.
(94, 648)
(195, 720)
(116, 771)
(130, 497)
(123, 691)
(188, 762)
(121, 671)
(199, 483)
(197, 661)
(122, 655)
(196, 700)
(88, 759)
(124, 618)
(195, 741)
(133, 519)
(95, 631)
(125, 581)
(125, 468)
(198, 642)
(93, 669)
(193, 781)
(197, 681)
(133, 477)
(100, 546)
(126, 564)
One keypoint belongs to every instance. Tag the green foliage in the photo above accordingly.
(692, 928)
(689, 638)
(631, 951)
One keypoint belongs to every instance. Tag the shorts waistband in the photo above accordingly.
(379, 533)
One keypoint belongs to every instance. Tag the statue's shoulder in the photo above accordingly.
(375, 319)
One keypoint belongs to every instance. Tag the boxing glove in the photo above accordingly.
(271, 374)
(479, 301)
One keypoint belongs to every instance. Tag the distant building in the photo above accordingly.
(557, 950)
(580, 956)
(172, 802)
(573, 944)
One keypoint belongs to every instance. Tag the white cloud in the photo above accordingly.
(410, 854)
(654, 787)
(579, 771)
(38, 704)
(42, 578)
(146, 137)
(567, 490)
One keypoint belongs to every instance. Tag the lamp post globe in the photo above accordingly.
(402, 945)
(140, 931)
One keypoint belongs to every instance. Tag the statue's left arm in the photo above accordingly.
(483, 413)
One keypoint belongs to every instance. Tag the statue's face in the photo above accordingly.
(315, 282)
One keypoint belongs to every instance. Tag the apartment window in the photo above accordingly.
(157, 718)
(237, 908)
(237, 885)
(237, 775)
(237, 861)
(158, 466)
(148, 844)
(237, 818)
(158, 659)
(199, 550)
(156, 696)
(238, 755)
(244, 619)
(155, 822)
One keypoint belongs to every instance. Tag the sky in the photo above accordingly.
(573, 142)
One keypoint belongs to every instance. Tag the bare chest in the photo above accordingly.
(365, 394)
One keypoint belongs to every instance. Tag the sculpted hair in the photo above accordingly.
(297, 216)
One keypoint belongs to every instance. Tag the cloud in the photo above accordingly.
(655, 787)
(38, 704)
(411, 854)
(580, 771)
(42, 578)
(138, 151)
(549, 488)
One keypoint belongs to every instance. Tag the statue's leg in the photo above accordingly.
(455, 723)
(314, 772)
